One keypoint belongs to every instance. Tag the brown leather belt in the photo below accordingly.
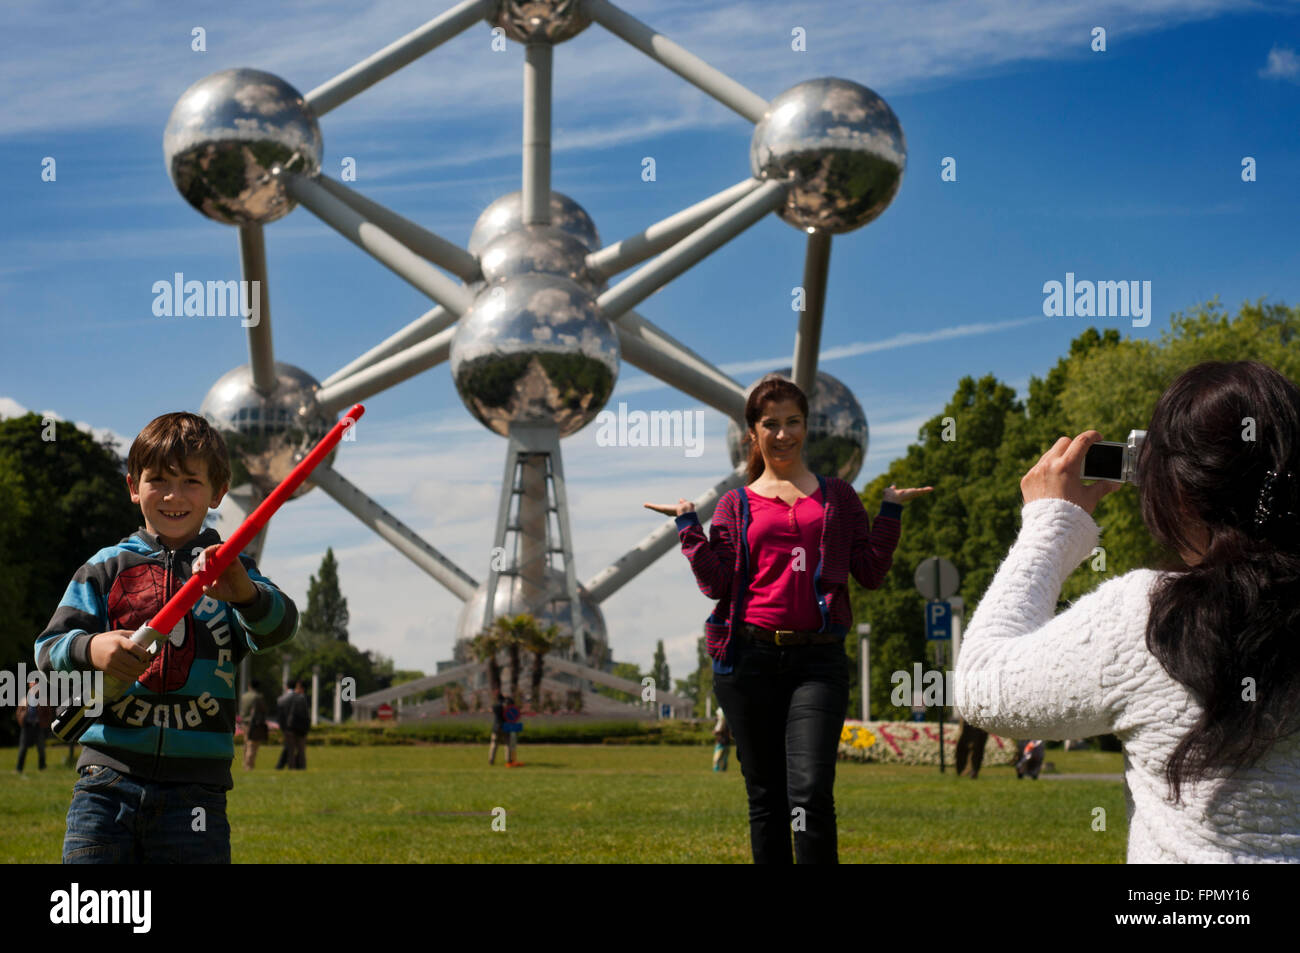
(784, 637)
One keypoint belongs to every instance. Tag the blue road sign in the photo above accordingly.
(938, 621)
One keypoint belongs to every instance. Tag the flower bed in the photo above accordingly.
(913, 742)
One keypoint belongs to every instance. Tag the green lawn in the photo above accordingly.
(605, 803)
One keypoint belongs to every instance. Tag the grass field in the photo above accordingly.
(604, 804)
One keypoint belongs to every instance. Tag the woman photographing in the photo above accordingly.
(777, 559)
(1197, 670)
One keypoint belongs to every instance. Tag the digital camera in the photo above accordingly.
(1116, 462)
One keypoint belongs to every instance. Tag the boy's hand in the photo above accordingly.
(233, 585)
(114, 654)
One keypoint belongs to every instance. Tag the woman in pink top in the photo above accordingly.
(777, 560)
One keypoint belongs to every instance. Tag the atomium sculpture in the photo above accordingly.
(526, 315)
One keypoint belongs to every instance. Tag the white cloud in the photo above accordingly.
(141, 57)
(741, 369)
(1283, 63)
(12, 408)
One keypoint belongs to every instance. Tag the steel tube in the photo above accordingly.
(686, 65)
(423, 327)
(397, 54)
(537, 134)
(382, 246)
(692, 249)
(386, 373)
(808, 338)
(429, 246)
(626, 568)
(252, 265)
(635, 249)
(402, 538)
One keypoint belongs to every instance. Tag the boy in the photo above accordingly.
(162, 752)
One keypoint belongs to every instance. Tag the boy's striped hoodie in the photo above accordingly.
(177, 722)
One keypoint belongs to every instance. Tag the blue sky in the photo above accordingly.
(1115, 165)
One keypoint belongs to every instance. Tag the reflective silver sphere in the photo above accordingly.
(229, 134)
(508, 603)
(836, 443)
(534, 348)
(538, 249)
(506, 214)
(267, 436)
(842, 147)
(534, 21)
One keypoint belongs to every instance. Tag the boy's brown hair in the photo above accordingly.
(168, 441)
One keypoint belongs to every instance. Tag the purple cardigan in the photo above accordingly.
(849, 544)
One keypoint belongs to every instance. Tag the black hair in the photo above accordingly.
(1227, 628)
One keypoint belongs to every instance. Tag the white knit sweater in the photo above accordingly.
(1025, 673)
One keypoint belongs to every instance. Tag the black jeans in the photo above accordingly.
(786, 708)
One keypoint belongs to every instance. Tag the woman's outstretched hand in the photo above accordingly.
(1056, 475)
(895, 495)
(670, 509)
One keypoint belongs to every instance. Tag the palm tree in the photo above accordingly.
(540, 642)
(485, 646)
(514, 637)
(506, 633)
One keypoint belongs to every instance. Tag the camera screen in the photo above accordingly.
(1105, 461)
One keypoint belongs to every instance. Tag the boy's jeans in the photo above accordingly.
(118, 819)
(786, 708)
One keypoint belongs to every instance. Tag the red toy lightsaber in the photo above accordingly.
(73, 721)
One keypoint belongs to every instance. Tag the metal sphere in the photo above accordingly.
(267, 436)
(506, 214)
(508, 602)
(842, 148)
(836, 442)
(544, 21)
(538, 249)
(534, 349)
(228, 136)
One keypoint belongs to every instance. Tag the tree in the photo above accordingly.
(659, 669)
(627, 670)
(700, 683)
(485, 647)
(326, 617)
(976, 460)
(63, 497)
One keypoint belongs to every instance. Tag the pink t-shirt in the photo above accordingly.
(781, 594)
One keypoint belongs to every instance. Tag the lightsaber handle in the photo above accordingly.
(72, 721)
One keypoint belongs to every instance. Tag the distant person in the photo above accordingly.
(970, 746)
(777, 559)
(282, 716)
(252, 711)
(499, 733)
(297, 724)
(1194, 666)
(1031, 759)
(33, 722)
(721, 741)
